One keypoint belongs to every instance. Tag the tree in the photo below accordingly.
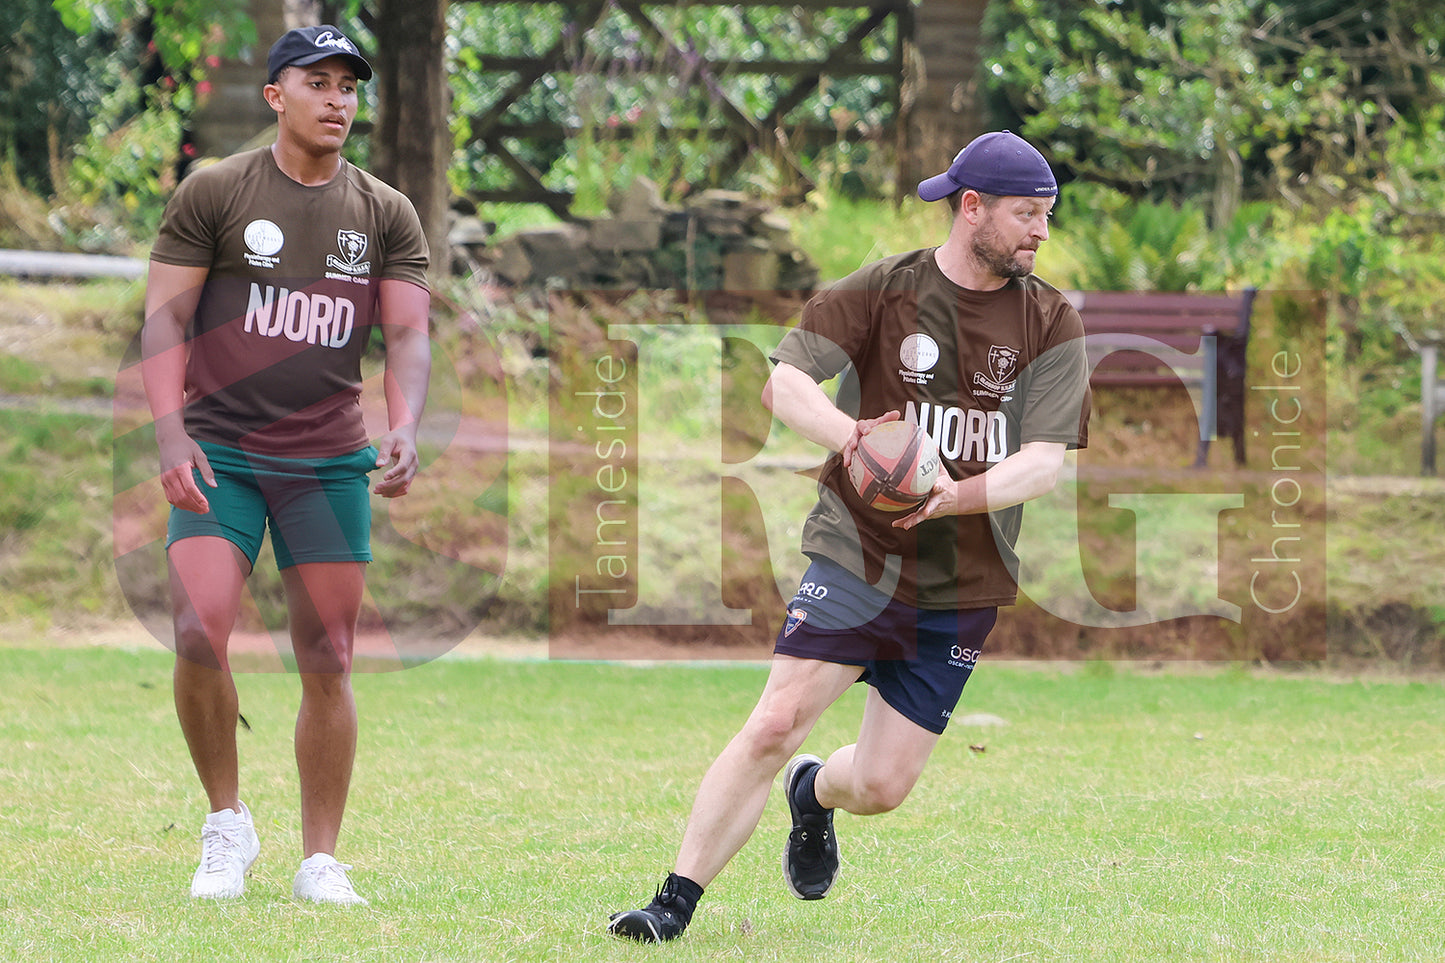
(1229, 99)
(58, 63)
(412, 146)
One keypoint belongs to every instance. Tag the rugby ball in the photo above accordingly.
(894, 466)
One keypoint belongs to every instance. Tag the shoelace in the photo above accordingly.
(332, 878)
(667, 903)
(811, 843)
(220, 846)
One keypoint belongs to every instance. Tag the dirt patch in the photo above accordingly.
(263, 651)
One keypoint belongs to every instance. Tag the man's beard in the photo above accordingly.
(1004, 264)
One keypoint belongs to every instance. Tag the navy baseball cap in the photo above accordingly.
(1001, 163)
(307, 45)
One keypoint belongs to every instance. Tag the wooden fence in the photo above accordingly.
(506, 132)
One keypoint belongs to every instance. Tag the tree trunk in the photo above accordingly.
(411, 144)
(235, 114)
(943, 112)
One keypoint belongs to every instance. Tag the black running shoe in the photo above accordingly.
(810, 859)
(663, 919)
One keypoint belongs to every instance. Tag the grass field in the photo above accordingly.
(502, 808)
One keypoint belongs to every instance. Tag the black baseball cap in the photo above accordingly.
(307, 45)
(1001, 163)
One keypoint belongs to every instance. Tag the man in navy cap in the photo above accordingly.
(305, 46)
(272, 271)
(965, 341)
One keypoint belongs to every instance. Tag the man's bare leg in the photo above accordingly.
(323, 602)
(876, 773)
(207, 576)
(731, 798)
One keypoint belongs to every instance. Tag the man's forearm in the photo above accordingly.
(408, 373)
(1027, 474)
(801, 403)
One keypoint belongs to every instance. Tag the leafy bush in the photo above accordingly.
(92, 96)
(1229, 100)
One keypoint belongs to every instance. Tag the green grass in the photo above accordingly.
(841, 234)
(55, 483)
(500, 810)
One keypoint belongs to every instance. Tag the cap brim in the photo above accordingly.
(937, 187)
(362, 68)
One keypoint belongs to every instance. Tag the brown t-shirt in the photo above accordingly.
(983, 371)
(290, 299)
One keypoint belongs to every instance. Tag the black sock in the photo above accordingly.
(687, 893)
(804, 796)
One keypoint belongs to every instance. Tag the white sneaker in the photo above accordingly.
(228, 848)
(321, 879)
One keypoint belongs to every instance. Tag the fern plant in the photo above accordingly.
(1122, 244)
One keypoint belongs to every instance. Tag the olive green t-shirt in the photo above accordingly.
(290, 299)
(983, 371)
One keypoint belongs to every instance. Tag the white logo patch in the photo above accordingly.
(265, 240)
(918, 353)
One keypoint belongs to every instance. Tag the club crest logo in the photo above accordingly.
(796, 617)
(1001, 374)
(352, 245)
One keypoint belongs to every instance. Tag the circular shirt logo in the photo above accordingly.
(263, 237)
(918, 352)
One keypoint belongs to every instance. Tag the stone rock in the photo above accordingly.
(720, 241)
(627, 234)
(509, 261)
(774, 228)
(719, 199)
(642, 200)
(557, 252)
(470, 231)
(796, 272)
(752, 267)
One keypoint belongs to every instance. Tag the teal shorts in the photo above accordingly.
(318, 509)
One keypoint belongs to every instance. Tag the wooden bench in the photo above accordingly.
(1159, 338)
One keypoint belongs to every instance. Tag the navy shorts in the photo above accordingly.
(919, 660)
(318, 509)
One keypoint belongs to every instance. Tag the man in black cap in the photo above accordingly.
(964, 340)
(272, 269)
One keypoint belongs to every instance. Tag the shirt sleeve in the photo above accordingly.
(836, 325)
(407, 254)
(187, 235)
(1057, 399)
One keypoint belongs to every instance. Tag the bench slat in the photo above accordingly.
(1124, 328)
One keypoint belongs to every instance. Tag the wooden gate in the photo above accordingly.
(521, 141)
